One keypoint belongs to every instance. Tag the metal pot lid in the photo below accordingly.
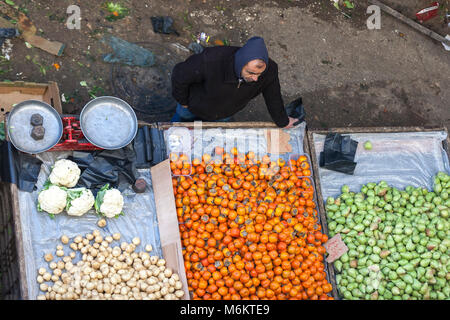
(19, 126)
(108, 122)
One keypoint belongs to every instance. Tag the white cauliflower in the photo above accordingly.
(79, 202)
(65, 173)
(109, 202)
(52, 200)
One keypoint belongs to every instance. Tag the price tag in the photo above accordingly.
(335, 248)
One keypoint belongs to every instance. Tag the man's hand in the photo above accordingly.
(291, 122)
(185, 106)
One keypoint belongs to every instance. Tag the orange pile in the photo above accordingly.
(249, 228)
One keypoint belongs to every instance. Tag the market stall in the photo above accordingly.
(222, 211)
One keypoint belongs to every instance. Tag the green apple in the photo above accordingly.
(368, 145)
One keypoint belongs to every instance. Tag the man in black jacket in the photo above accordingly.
(220, 81)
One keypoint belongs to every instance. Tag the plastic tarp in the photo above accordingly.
(198, 142)
(41, 234)
(400, 159)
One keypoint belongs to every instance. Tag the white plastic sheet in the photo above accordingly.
(400, 159)
(244, 139)
(41, 234)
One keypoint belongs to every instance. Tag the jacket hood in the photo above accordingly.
(255, 48)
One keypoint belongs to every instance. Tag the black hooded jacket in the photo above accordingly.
(208, 84)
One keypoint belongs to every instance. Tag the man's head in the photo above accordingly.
(251, 60)
(253, 69)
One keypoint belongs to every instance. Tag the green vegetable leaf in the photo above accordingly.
(10, 2)
(349, 5)
(99, 198)
(51, 215)
(73, 194)
(38, 206)
(120, 214)
(47, 185)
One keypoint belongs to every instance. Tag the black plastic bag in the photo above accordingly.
(338, 153)
(18, 168)
(107, 166)
(7, 169)
(296, 110)
(158, 145)
(143, 147)
(28, 168)
(163, 25)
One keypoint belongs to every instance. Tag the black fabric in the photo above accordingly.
(27, 168)
(7, 168)
(107, 166)
(338, 153)
(163, 25)
(296, 110)
(143, 148)
(158, 145)
(253, 49)
(208, 85)
(18, 167)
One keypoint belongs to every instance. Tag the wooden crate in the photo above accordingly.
(13, 285)
(258, 125)
(14, 92)
(349, 130)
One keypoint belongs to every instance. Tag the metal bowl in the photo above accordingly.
(19, 126)
(108, 122)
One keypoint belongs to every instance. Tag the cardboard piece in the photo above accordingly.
(168, 222)
(335, 248)
(54, 47)
(28, 31)
(12, 93)
(278, 141)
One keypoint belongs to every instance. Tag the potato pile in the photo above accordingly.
(107, 272)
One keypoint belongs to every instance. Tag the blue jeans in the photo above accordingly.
(184, 115)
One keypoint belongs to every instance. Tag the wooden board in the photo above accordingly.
(28, 31)
(207, 125)
(19, 242)
(54, 47)
(13, 284)
(169, 232)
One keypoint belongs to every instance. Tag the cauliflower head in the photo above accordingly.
(80, 201)
(65, 173)
(52, 200)
(112, 203)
